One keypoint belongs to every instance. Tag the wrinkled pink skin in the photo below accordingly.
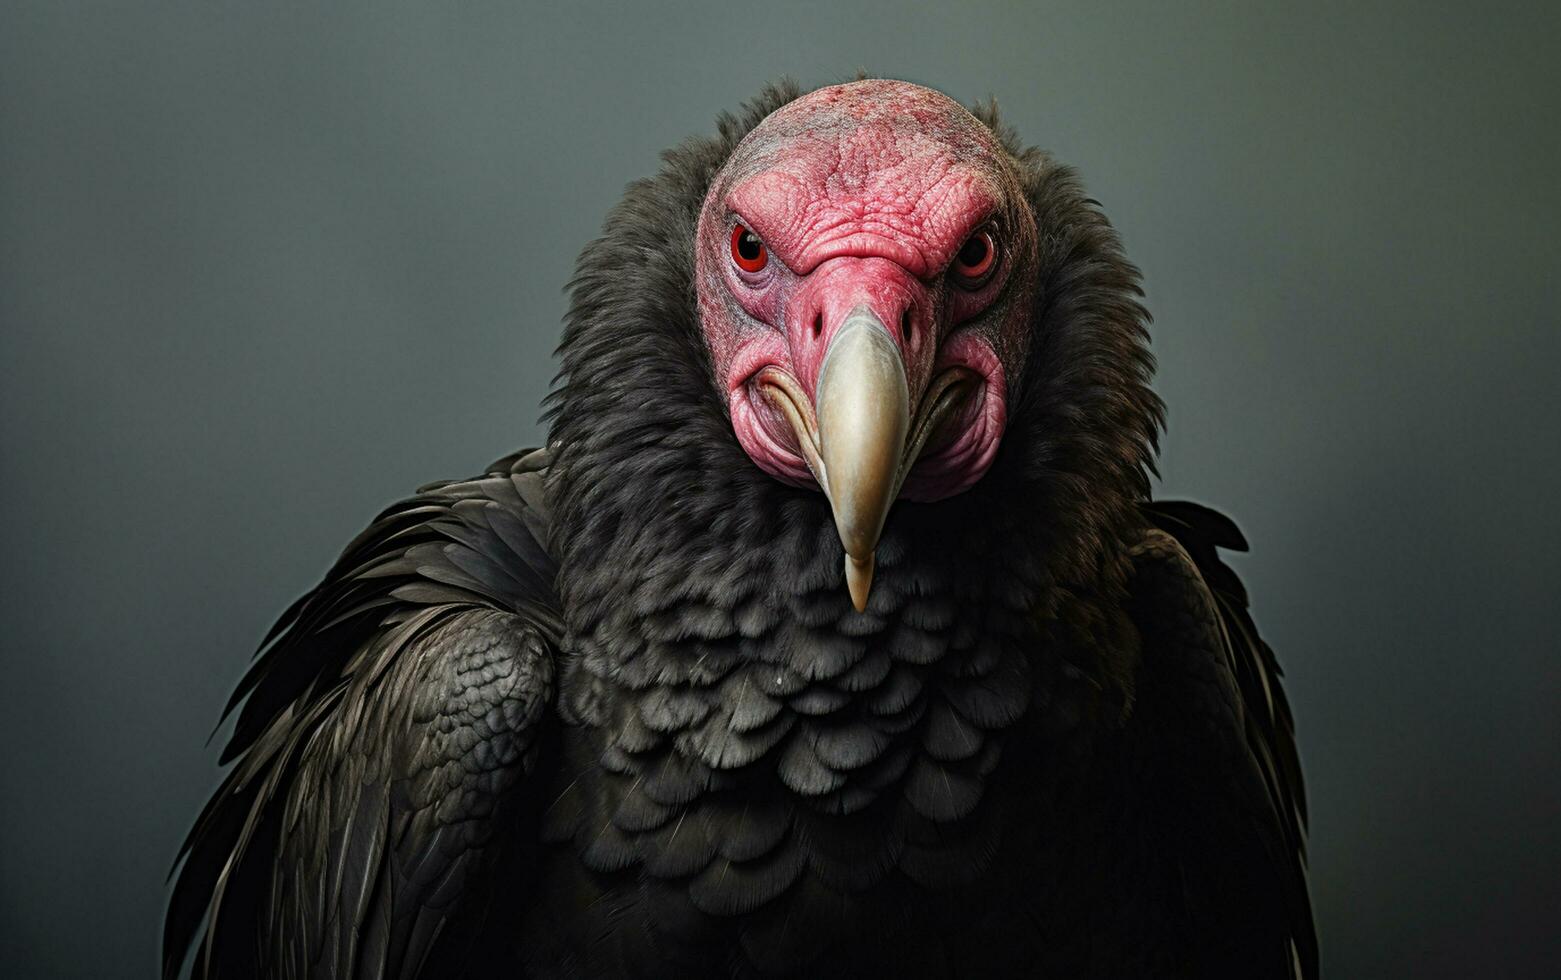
(863, 195)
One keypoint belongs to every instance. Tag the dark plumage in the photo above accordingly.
(608, 710)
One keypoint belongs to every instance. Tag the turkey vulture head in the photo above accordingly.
(866, 266)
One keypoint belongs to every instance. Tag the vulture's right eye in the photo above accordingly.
(748, 250)
(976, 260)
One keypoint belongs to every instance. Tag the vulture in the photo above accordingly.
(833, 632)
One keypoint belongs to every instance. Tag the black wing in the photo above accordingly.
(391, 713)
(1224, 744)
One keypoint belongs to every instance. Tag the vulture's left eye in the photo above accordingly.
(748, 250)
(976, 259)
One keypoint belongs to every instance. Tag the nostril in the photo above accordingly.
(905, 327)
(818, 325)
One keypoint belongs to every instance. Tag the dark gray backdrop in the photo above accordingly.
(265, 267)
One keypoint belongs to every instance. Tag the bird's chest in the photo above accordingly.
(1033, 880)
(791, 813)
(756, 777)
(752, 877)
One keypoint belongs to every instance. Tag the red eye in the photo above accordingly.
(748, 250)
(976, 259)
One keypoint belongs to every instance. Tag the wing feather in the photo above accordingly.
(1219, 684)
(389, 715)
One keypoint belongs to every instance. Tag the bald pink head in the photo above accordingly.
(875, 202)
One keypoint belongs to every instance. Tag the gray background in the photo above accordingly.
(265, 267)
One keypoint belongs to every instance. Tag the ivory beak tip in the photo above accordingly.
(859, 580)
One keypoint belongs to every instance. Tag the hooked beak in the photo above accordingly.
(864, 410)
(858, 437)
